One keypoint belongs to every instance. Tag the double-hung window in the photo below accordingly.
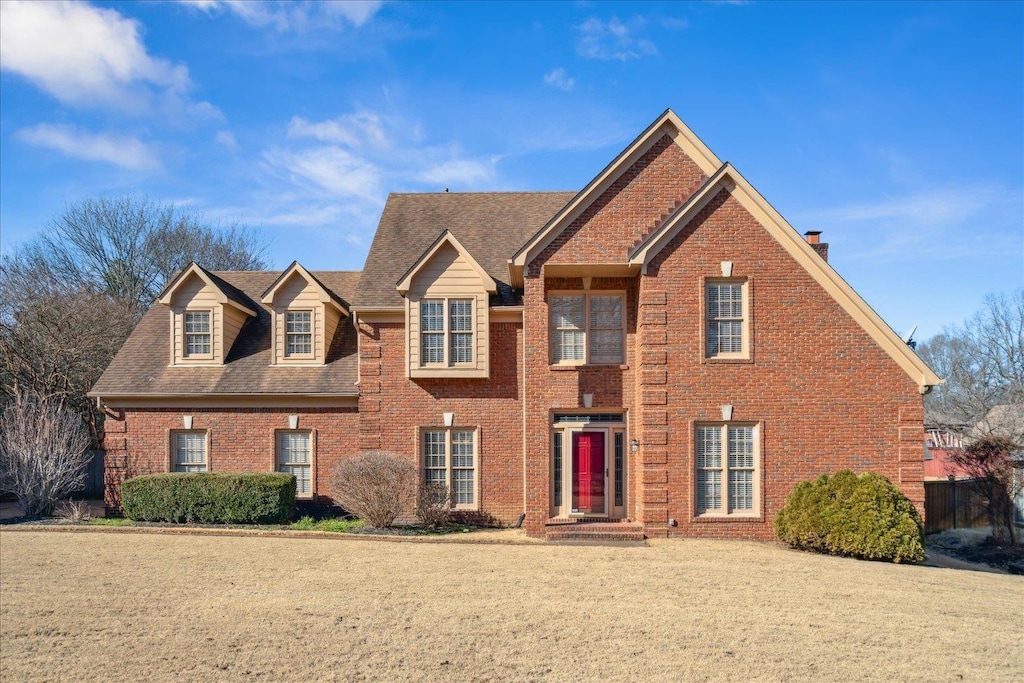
(189, 450)
(449, 458)
(588, 329)
(727, 470)
(295, 457)
(298, 333)
(446, 332)
(198, 338)
(726, 314)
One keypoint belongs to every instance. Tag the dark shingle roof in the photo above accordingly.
(141, 366)
(490, 225)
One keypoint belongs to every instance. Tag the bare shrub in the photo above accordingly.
(993, 476)
(74, 511)
(434, 508)
(377, 486)
(42, 453)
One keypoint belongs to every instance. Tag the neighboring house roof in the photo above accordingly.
(226, 292)
(141, 368)
(490, 225)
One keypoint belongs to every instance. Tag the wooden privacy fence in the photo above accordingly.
(93, 476)
(952, 505)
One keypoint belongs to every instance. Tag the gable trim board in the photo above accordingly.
(405, 283)
(729, 179)
(326, 296)
(211, 281)
(666, 124)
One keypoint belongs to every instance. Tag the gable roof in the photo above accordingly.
(668, 123)
(489, 225)
(140, 368)
(730, 179)
(326, 295)
(446, 238)
(225, 292)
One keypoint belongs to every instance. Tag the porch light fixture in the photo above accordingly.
(634, 446)
(293, 422)
(186, 421)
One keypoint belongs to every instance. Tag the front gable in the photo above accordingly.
(659, 170)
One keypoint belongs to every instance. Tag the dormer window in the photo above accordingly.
(299, 333)
(206, 314)
(446, 340)
(446, 312)
(305, 316)
(198, 339)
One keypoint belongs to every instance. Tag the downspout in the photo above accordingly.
(524, 403)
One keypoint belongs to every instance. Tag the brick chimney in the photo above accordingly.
(814, 239)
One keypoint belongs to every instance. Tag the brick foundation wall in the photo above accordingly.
(394, 408)
(138, 441)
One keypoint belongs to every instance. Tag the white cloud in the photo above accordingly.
(333, 169)
(937, 223)
(351, 130)
(558, 78)
(126, 152)
(293, 15)
(463, 172)
(89, 56)
(613, 40)
(226, 138)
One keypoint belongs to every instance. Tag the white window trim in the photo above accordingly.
(586, 294)
(312, 459)
(756, 511)
(447, 332)
(448, 462)
(185, 355)
(744, 354)
(312, 334)
(172, 440)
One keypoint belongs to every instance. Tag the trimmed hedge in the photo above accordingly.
(863, 516)
(210, 497)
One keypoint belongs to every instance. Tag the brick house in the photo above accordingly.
(660, 350)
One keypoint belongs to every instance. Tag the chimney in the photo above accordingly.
(814, 239)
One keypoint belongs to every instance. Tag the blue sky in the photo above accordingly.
(897, 129)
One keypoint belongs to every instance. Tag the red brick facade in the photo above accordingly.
(821, 392)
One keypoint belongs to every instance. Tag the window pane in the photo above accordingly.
(197, 333)
(568, 312)
(741, 447)
(605, 312)
(606, 346)
(190, 452)
(709, 447)
(303, 478)
(434, 458)
(432, 315)
(461, 315)
(709, 490)
(298, 321)
(741, 490)
(558, 469)
(620, 454)
(462, 467)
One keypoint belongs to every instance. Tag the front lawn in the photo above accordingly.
(103, 606)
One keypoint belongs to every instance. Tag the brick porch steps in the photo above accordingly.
(561, 529)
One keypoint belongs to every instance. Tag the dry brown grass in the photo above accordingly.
(103, 606)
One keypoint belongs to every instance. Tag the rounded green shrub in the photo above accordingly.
(863, 516)
(210, 498)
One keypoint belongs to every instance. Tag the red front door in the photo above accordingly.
(588, 472)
